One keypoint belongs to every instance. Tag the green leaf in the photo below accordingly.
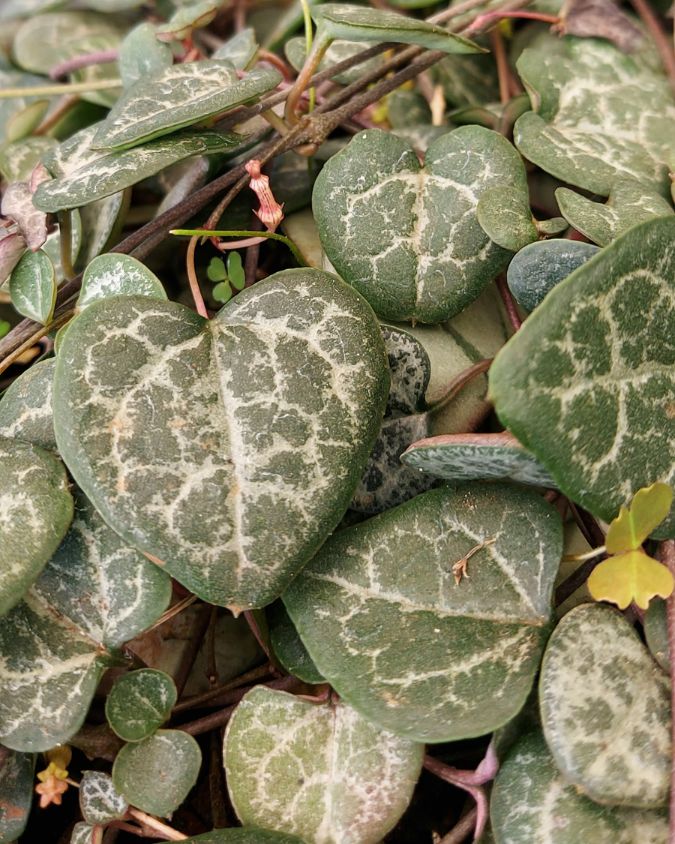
(629, 203)
(32, 287)
(37, 509)
(102, 222)
(656, 633)
(590, 394)
(216, 270)
(139, 703)
(407, 237)
(482, 457)
(599, 114)
(179, 96)
(537, 268)
(156, 774)
(240, 50)
(214, 450)
(605, 709)
(82, 833)
(26, 406)
(17, 771)
(296, 53)
(142, 55)
(100, 802)
(117, 275)
(378, 586)
(191, 15)
(287, 645)
(17, 160)
(631, 576)
(247, 835)
(349, 780)
(235, 271)
(632, 526)
(504, 215)
(532, 802)
(355, 23)
(84, 175)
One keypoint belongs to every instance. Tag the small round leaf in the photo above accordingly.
(139, 703)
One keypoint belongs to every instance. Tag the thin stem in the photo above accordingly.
(172, 611)
(581, 558)
(502, 63)
(462, 829)
(460, 381)
(245, 679)
(67, 104)
(465, 781)
(247, 233)
(66, 243)
(168, 832)
(39, 332)
(667, 553)
(193, 280)
(493, 17)
(307, 18)
(509, 303)
(85, 60)
(58, 90)
(304, 77)
(210, 650)
(661, 40)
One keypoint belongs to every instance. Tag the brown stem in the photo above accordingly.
(177, 608)
(210, 643)
(502, 62)
(168, 832)
(667, 553)
(66, 243)
(312, 61)
(661, 40)
(245, 679)
(509, 303)
(462, 829)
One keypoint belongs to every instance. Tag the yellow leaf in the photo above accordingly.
(632, 526)
(628, 577)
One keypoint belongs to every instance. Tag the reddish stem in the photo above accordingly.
(85, 60)
(493, 17)
(509, 303)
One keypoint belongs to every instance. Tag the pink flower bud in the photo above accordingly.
(270, 212)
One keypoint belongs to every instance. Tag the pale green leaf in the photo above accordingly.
(100, 802)
(142, 55)
(599, 114)
(101, 221)
(482, 457)
(36, 509)
(537, 268)
(17, 160)
(117, 275)
(139, 703)
(32, 287)
(532, 802)
(82, 833)
(26, 406)
(591, 395)
(605, 709)
(84, 175)
(357, 23)
(179, 96)
(156, 774)
(630, 577)
(296, 53)
(407, 237)
(629, 203)
(240, 50)
(644, 514)
(378, 586)
(187, 17)
(17, 771)
(504, 215)
(319, 771)
(228, 449)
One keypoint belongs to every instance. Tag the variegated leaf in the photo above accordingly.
(410, 371)
(17, 771)
(378, 586)
(481, 457)
(83, 833)
(84, 175)
(287, 645)
(504, 215)
(319, 771)
(408, 237)
(296, 53)
(228, 449)
(629, 203)
(12, 108)
(467, 80)
(591, 395)
(532, 802)
(599, 114)
(26, 407)
(117, 275)
(142, 55)
(17, 203)
(179, 96)
(139, 703)
(187, 17)
(605, 709)
(32, 286)
(100, 802)
(537, 268)
(156, 774)
(36, 509)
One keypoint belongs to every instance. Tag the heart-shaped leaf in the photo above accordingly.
(142, 55)
(37, 509)
(532, 802)
(391, 581)
(536, 269)
(171, 758)
(631, 576)
(357, 23)
(629, 203)
(350, 780)
(139, 703)
(632, 526)
(483, 457)
(84, 175)
(26, 406)
(100, 802)
(117, 275)
(287, 645)
(32, 286)
(599, 114)
(591, 395)
(408, 237)
(605, 709)
(17, 772)
(250, 459)
(179, 96)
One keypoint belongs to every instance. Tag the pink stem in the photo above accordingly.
(483, 20)
(86, 60)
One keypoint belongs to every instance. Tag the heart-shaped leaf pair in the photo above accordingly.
(229, 449)
(409, 237)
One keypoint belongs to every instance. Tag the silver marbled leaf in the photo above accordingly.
(100, 802)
